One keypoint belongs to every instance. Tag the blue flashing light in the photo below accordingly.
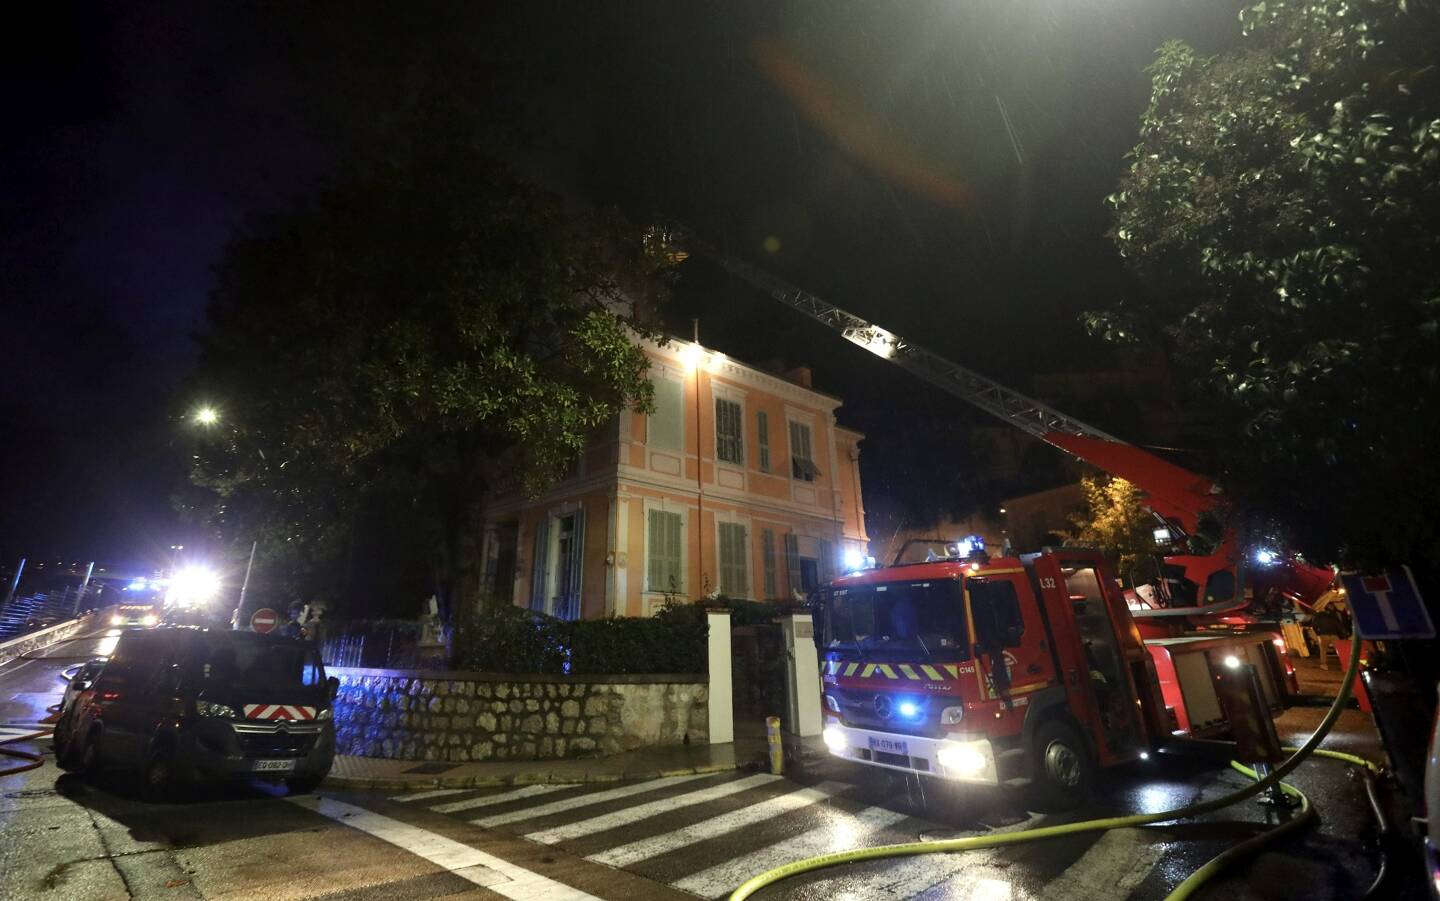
(138, 585)
(1266, 557)
(970, 545)
(908, 709)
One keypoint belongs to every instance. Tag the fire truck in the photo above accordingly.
(1024, 670)
(1203, 585)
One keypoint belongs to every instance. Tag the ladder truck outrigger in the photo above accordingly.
(1035, 668)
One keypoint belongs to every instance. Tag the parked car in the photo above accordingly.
(181, 706)
(74, 710)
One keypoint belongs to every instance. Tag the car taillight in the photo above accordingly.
(109, 695)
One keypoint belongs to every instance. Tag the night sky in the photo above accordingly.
(939, 167)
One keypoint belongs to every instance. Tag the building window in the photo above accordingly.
(767, 556)
(667, 424)
(762, 432)
(734, 570)
(729, 438)
(663, 571)
(802, 464)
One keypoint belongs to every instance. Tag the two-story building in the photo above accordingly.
(739, 482)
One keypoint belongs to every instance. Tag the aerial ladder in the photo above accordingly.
(1205, 590)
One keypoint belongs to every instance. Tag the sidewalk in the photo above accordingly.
(645, 763)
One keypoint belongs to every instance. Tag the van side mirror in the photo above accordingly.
(332, 685)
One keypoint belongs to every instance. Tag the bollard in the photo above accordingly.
(777, 747)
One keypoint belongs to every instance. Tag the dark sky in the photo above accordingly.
(939, 167)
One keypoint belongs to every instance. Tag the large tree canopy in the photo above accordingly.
(391, 348)
(1283, 212)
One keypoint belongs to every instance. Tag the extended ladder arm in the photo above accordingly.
(1025, 413)
(1174, 492)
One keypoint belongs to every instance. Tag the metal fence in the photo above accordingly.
(381, 644)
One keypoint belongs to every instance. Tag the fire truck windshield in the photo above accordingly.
(920, 620)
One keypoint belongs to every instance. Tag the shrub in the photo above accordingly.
(502, 638)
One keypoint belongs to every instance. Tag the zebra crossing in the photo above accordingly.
(706, 834)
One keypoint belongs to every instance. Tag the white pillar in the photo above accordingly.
(722, 705)
(803, 666)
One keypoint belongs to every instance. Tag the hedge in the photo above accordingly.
(508, 639)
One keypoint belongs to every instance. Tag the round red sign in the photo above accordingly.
(264, 620)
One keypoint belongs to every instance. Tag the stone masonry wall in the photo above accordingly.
(464, 716)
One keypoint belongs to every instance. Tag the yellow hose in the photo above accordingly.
(1185, 889)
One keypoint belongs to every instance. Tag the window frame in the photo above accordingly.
(679, 558)
(729, 431)
(733, 568)
(762, 435)
(802, 467)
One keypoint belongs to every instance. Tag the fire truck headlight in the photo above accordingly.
(951, 715)
(832, 703)
(835, 739)
(150, 619)
(960, 758)
(117, 620)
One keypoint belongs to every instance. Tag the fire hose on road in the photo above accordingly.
(1303, 816)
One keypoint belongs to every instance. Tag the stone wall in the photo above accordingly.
(467, 716)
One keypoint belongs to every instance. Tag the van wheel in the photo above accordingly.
(158, 782)
(1064, 772)
(90, 755)
(64, 750)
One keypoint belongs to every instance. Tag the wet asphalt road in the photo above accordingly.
(670, 838)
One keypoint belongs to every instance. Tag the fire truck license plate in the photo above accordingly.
(889, 746)
(273, 766)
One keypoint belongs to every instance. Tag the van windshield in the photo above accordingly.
(921, 620)
(255, 664)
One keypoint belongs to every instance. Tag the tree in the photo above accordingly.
(387, 351)
(1118, 522)
(1282, 211)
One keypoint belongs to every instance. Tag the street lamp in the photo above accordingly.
(207, 416)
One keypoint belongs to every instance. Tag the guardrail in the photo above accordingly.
(19, 647)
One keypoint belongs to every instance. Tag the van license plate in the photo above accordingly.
(889, 746)
(273, 766)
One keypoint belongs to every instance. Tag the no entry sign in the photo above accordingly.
(264, 620)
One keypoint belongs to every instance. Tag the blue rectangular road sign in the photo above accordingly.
(1387, 605)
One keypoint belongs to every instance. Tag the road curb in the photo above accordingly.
(399, 784)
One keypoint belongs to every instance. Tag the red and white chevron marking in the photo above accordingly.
(278, 712)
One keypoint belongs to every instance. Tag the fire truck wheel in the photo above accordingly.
(1063, 769)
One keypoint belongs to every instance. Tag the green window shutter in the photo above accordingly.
(662, 569)
(539, 565)
(762, 434)
(733, 563)
(792, 562)
(767, 553)
(827, 560)
(666, 430)
(802, 464)
(729, 437)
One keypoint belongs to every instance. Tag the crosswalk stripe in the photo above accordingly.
(645, 811)
(905, 877)
(1110, 868)
(425, 796)
(614, 794)
(844, 832)
(528, 791)
(494, 873)
(714, 827)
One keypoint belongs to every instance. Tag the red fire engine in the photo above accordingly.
(1013, 670)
